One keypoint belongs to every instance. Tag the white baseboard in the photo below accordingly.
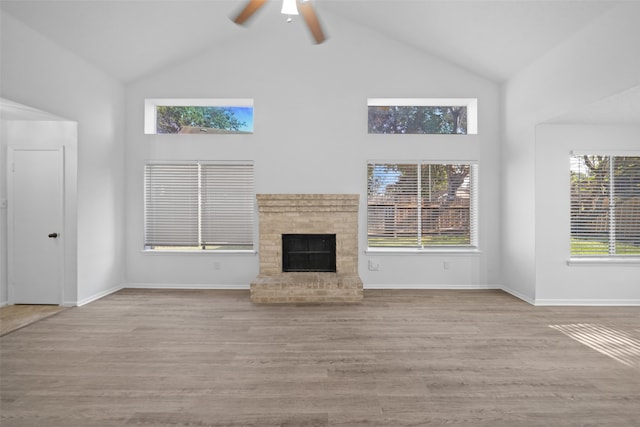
(536, 302)
(588, 302)
(423, 286)
(518, 295)
(595, 302)
(92, 298)
(247, 286)
(185, 286)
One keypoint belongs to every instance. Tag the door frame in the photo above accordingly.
(11, 217)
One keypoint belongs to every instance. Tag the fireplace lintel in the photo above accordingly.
(308, 202)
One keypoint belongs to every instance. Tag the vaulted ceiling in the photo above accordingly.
(131, 38)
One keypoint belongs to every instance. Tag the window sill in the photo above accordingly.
(426, 251)
(631, 261)
(200, 252)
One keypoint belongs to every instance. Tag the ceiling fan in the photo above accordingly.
(289, 7)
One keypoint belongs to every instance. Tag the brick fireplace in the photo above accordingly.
(307, 214)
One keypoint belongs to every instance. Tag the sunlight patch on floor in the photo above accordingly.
(615, 343)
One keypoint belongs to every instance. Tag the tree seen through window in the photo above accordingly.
(418, 119)
(182, 119)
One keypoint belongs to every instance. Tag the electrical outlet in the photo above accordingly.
(446, 265)
(374, 265)
(216, 266)
(3, 204)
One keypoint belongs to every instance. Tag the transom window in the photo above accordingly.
(423, 115)
(421, 205)
(605, 205)
(198, 206)
(198, 116)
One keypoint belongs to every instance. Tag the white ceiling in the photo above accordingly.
(131, 38)
(492, 38)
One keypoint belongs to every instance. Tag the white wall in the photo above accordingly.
(311, 137)
(557, 282)
(3, 215)
(41, 74)
(601, 60)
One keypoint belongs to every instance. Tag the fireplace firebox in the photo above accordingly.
(309, 252)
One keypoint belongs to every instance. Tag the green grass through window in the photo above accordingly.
(581, 247)
(412, 242)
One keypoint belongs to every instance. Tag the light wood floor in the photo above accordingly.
(14, 317)
(211, 358)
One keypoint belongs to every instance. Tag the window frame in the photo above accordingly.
(609, 258)
(474, 244)
(249, 213)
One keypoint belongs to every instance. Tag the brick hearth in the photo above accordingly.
(307, 214)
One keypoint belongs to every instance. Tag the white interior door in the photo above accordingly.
(36, 250)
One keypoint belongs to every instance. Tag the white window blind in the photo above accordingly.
(227, 205)
(605, 205)
(171, 205)
(421, 205)
(199, 205)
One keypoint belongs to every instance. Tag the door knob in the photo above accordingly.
(53, 235)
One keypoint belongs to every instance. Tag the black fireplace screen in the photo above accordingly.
(309, 252)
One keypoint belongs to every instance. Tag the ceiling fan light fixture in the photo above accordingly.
(289, 7)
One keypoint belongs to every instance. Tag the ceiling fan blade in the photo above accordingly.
(309, 14)
(248, 11)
